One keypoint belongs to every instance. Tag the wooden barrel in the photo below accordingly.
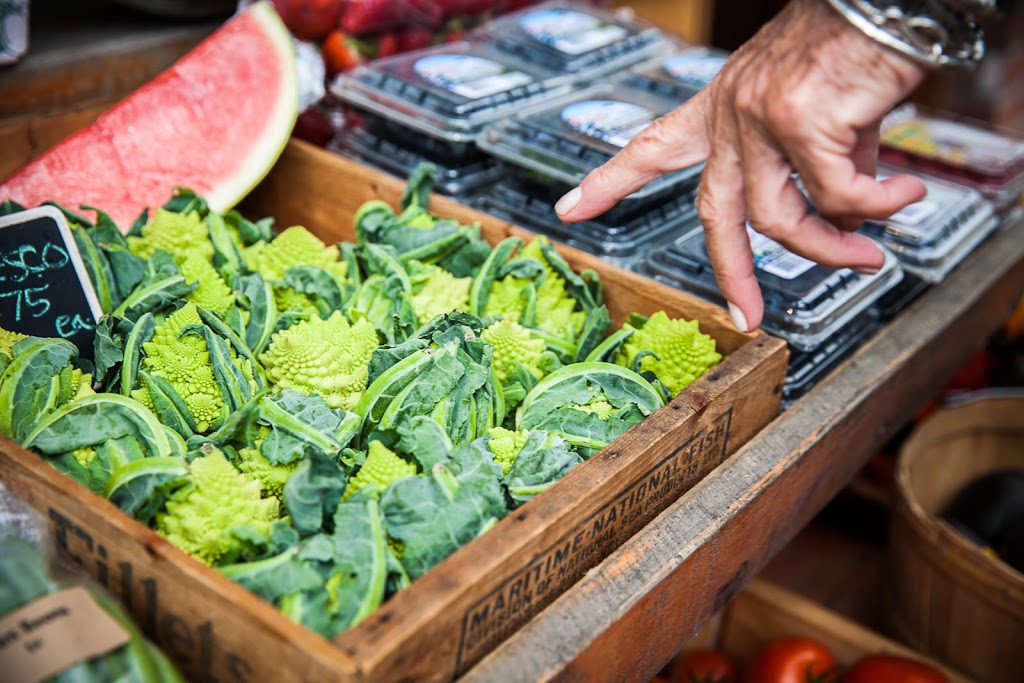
(943, 595)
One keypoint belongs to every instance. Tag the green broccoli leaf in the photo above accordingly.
(312, 492)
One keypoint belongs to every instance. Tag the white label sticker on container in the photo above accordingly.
(569, 31)
(694, 69)
(954, 143)
(54, 633)
(775, 259)
(613, 121)
(914, 214)
(469, 76)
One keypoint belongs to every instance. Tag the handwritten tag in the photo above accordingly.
(54, 633)
(45, 289)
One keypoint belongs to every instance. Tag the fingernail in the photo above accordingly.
(866, 271)
(569, 201)
(738, 319)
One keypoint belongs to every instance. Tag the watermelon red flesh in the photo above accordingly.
(215, 122)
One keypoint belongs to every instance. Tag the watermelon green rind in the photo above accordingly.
(263, 154)
(215, 122)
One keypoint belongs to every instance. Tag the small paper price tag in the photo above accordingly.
(45, 290)
(54, 633)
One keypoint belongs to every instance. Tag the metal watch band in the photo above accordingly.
(932, 32)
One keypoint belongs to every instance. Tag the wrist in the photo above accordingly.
(933, 33)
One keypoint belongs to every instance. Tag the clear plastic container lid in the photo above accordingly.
(680, 75)
(902, 295)
(964, 152)
(807, 368)
(449, 91)
(932, 236)
(461, 168)
(620, 238)
(805, 303)
(574, 39)
(568, 137)
(461, 180)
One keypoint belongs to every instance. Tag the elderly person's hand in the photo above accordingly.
(805, 95)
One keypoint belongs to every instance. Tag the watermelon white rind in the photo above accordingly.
(215, 122)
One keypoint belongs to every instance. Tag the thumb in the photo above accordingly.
(677, 140)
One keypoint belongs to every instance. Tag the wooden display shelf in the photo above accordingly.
(455, 613)
(627, 617)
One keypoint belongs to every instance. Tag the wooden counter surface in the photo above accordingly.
(627, 617)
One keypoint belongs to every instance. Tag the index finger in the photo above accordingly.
(675, 141)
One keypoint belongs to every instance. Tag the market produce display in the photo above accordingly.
(216, 122)
(325, 423)
(27, 578)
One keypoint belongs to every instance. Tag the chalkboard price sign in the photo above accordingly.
(45, 290)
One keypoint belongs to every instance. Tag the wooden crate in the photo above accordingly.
(461, 609)
(763, 612)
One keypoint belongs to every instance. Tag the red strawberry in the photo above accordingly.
(370, 16)
(387, 45)
(414, 38)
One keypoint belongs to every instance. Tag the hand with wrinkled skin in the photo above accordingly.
(805, 95)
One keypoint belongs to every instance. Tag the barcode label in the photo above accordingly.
(775, 259)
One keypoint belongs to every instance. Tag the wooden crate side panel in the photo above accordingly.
(490, 588)
(763, 612)
(322, 191)
(215, 630)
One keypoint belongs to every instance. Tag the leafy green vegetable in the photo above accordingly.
(26, 578)
(325, 357)
(590, 404)
(675, 351)
(218, 513)
(325, 423)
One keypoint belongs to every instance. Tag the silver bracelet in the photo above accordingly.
(936, 33)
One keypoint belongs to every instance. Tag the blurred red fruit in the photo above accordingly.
(309, 19)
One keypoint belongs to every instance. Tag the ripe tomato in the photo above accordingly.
(704, 666)
(309, 19)
(340, 53)
(882, 668)
(792, 660)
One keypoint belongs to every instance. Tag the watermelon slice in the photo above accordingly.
(215, 122)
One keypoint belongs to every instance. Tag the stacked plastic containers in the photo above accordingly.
(962, 152)
(431, 104)
(548, 149)
(822, 312)
(932, 236)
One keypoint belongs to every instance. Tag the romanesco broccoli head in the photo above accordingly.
(382, 467)
(9, 339)
(295, 246)
(603, 409)
(81, 384)
(512, 342)
(556, 310)
(272, 478)
(325, 357)
(683, 352)
(84, 456)
(213, 293)
(179, 234)
(505, 445)
(440, 293)
(200, 520)
(185, 363)
(286, 298)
